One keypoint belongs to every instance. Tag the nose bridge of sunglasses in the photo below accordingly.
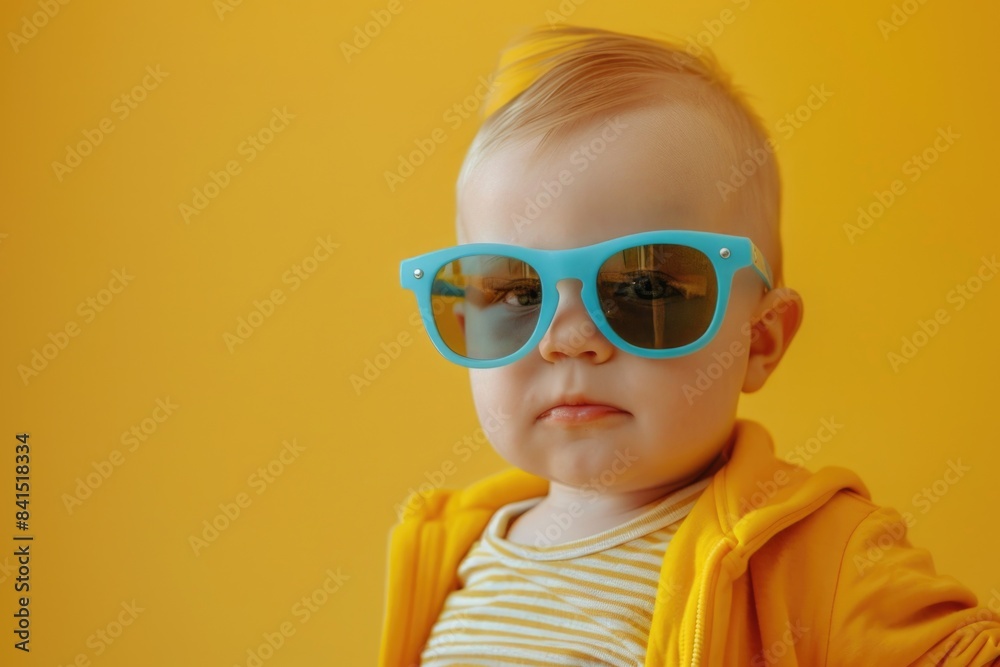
(571, 308)
(568, 291)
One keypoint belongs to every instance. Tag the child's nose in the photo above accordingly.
(572, 331)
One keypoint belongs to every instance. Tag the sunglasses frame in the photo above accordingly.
(727, 253)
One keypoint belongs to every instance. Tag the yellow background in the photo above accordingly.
(322, 176)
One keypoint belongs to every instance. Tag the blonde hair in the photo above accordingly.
(553, 80)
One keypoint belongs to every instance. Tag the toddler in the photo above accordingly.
(614, 290)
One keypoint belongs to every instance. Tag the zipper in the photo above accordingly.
(777, 527)
(699, 625)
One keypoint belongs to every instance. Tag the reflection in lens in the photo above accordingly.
(486, 306)
(658, 296)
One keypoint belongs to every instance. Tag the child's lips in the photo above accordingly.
(574, 414)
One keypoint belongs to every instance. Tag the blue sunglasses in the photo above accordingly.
(657, 294)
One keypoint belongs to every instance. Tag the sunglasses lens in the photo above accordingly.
(658, 296)
(486, 306)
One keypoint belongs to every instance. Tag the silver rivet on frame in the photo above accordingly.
(418, 274)
(724, 253)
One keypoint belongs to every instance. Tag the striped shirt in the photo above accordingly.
(585, 602)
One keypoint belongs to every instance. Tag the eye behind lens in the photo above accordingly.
(660, 296)
(488, 306)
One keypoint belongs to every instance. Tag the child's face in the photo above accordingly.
(652, 169)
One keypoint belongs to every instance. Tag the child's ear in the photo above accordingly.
(773, 325)
(459, 311)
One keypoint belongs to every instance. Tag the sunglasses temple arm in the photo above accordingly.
(760, 264)
(444, 288)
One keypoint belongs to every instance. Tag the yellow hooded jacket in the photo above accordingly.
(774, 566)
